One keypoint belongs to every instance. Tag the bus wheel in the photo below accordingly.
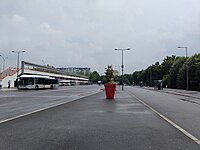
(36, 87)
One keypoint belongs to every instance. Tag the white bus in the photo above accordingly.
(36, 82)
(64, 82)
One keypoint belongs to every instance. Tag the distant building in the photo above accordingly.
(76, 70)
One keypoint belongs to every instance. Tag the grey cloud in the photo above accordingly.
(85, 32)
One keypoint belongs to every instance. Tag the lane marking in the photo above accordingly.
(196, 140)
(45, 108)
(35, 111)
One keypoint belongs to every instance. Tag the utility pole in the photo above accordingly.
(187, 76)
(3, 62)
(18, 52)
(122, 66)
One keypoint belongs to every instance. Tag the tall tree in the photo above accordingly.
(166, 65)
(136, 79)
(194, 74)
(174, 72)
(94, 77)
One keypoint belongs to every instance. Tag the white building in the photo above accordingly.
(8, 77)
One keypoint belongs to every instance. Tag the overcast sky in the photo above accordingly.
(84, 33)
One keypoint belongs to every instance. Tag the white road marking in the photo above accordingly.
(32, 112)
(48, 107)
(196, 140)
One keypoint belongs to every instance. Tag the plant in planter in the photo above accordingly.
(110, 86)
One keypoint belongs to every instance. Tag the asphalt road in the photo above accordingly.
(184, 110)
(94, 123)
(16, 103)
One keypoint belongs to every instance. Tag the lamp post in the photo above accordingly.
(187, 77)
(18, 52)
(122, 50)
(3, 62)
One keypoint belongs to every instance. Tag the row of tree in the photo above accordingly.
(172, 71)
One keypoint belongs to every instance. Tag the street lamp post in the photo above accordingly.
(3, 62)
(187, 77)
(18, 52)
(122, 50)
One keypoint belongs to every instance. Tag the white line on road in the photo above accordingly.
(196, 140)
(35, 111)
(48, 107)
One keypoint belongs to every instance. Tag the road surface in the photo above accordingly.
(94, 123)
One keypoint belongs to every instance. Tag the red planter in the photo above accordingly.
(110, 90)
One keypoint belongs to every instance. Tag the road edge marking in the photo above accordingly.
(193, 138)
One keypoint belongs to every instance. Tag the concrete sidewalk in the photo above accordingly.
(94, 123)
(193, 94)
(8, 89)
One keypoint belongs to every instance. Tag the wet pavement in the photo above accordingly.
(94, 123)
(190, 96)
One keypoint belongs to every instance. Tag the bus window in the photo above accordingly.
(31, 81)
